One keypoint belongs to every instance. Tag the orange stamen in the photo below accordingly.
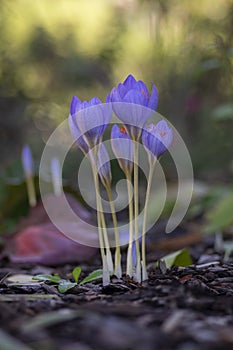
(163, 133)
(143, 93)
(123, 130)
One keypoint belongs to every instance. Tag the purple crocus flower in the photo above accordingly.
(122, 147)
(133, 91)
(27, 161)
(77, 135)
(133, 104)
(104, 167)
(91, 118)
(157, 138)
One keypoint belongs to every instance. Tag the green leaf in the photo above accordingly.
(178, 258)
(95, 275)
(223, 112)
(65, 285)
(220, 217)
(76, 273)
(47, 277)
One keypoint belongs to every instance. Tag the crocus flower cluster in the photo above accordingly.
(134, 105)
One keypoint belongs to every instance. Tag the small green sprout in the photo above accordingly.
(178, 258)
(64, 285)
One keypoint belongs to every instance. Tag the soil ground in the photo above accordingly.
(188, 308)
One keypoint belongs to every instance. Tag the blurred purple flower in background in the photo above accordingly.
(157, 138)
(27, 161)
(28, 166)
(56, 173)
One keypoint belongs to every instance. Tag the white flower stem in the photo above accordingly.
(129, 264)
(106, 277)
(31, 190)
(101, 241)
(138, 266)
(118, 270)
(151, 171)
(101, 213)
(106, 241)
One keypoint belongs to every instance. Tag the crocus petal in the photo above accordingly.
(141, 86)
(153, 144)
(115, 95)
(157, 138)
(162, 126)
(77, 135)
(122, 147)
(104, 167)
(164, 133)
(134, 117)
(92, 120)
(115, 133)
(75, 105)
(154, 98)
(129, 82)
(134, 96)
(94, 101)
(121, 90)
(108, 98)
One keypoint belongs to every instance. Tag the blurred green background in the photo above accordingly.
(51, 50)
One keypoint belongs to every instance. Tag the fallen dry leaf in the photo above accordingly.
(46, 245)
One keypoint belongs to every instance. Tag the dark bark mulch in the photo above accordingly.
(184, 308)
